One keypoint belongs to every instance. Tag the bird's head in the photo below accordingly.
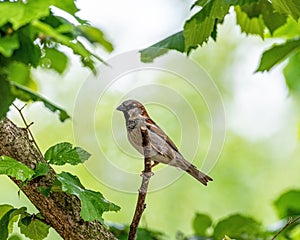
(132, 108)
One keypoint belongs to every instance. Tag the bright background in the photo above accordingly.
(259, 159)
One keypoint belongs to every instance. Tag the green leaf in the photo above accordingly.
(276, 54)
(8, 44)
(146, 234)
(18, 72)
(238, 227)
(41, 169)
(93, 204)
(201, 223)
(198, 29)
(292, 73)
(54, 59)
(35, 229)
(5, 220)
(26, 95)
(45, 190)
(20, 13)
(273, 20)
(6, 97)
(254, 25)
(288, 204)
(4, 208)
(14, 237)
(239, 2)
(77, 47)
(95, 35)
(175, 41)
(66, 5)
(63, 153)
(255, 17)
(288, 7)
(27, 38)
(200, 3)
(289, 30)
(13, 168)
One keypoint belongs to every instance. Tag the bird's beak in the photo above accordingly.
(121, 108)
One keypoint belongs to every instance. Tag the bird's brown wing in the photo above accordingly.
(153, 127)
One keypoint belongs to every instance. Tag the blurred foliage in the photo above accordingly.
(259, 17)
(33, 27)
(238, 226)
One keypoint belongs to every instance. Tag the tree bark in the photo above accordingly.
(60, 210)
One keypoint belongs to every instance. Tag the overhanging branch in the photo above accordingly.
(60, 210)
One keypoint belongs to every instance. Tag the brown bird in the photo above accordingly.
(163, 150)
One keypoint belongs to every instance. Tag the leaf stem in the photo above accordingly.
(27, 126)
(289, 222)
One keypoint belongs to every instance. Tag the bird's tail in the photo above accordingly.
(183, 164)
(200, 176)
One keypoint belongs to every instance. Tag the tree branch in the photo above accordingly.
(60, 210)
(146, 175)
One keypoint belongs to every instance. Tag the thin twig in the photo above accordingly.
(27, 126)
(289, 222)
(146, 175)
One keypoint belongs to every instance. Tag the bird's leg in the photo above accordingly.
(154, 164)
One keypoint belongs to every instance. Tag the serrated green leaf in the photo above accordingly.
(54, 59)
(198, 29)
(259, 15)
(95, 35)
(254, 25)
(292, 73)
(201, 223)
(288, 204)
(5, 221)
(8, 44)
(276, 54)
(238, 227)
(93, 204)
(20, 13)
(13, 168)
(175, 41)
(63, 153)
(27, 95)
(41, 169)
(289, 7)
(36, 229)
(6, 96)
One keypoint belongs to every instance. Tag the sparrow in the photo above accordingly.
(163, 149)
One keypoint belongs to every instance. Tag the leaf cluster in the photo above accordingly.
(275, 19)
(93, 204)
(238, 226)
(33, 35)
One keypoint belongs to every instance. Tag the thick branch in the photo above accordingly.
(146, 175)
(60, 210)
